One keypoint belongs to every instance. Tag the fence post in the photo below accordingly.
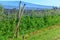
(20, 14)
(18, 24)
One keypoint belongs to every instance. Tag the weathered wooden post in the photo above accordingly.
(23, 10)
(18, 23)
(20, 14)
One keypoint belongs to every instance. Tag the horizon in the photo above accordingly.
(10, 4)
(41, 2)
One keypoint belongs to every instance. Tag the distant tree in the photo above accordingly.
(14, 10)
(1, 12)
(1, 9)
(55, 8)
(33, 13)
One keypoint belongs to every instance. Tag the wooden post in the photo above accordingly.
(23, 10)
(18, 24)
(20, 14)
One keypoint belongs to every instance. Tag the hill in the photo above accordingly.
(15, 4)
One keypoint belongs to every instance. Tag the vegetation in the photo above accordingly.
(49, 33)
(28, 24)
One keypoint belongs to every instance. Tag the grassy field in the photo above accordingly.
(37, 26)
(50, 33)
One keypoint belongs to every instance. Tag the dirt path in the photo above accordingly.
(50, 33)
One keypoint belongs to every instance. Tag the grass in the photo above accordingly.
(50, 33)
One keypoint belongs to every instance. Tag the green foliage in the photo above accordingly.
(28, 23)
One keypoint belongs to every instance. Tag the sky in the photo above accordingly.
(41, 2)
